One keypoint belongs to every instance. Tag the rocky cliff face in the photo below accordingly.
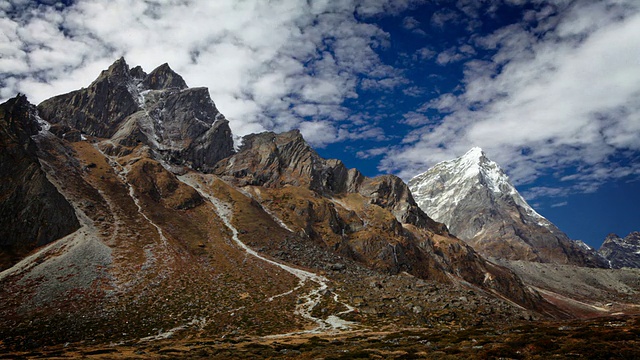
(130, 107)
(275, 160)
(622, 252)
(478, 203)
(32, 211)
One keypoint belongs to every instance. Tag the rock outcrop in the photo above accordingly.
(32, 211)
(622, 252)
(478, 203)
(275, 160)
(97, 110)
(129, 107)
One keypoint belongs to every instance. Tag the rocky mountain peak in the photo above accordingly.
(622, 252)
(475, 154)
(476, 200)
(163, 77)
(97, 110)
(279, 160)
(128, 108)
(117, 73)
(274, 160)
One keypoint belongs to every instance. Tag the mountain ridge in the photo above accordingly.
(157, 109)
(181, 235)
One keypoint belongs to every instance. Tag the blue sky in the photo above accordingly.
(549, 89)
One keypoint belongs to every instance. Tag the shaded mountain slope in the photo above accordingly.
(32, 211)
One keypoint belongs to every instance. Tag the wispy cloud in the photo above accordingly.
(558, 96)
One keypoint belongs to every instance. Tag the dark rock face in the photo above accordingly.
(478, 203)
(622, 252)
(130, 107)
(32, 211)
(275, 160)
(163, 78)
(390, 192)
(97, 110)
(187, 127)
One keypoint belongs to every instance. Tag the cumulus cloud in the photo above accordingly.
(273, 65)
(556, 99)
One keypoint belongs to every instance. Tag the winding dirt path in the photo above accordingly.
(307, 302)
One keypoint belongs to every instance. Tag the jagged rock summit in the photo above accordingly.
(622, 252)
(179, 124)
(476, 200)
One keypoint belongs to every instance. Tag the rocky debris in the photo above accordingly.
(478, 203)
(386, 299)
(597, 287)
(32, 211)
(152, 179)
(622, 252)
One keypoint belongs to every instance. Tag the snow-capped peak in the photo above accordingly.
(475, 164)
(474, 153)
(475, 199)
(440, 189)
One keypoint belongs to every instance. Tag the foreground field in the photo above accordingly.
(602, 338)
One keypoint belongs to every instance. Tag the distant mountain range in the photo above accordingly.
(128, 213)
(478, 203)
(622, 252)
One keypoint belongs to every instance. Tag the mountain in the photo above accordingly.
(157, 228)
(478, 203)
(622, 252)
(129, 107)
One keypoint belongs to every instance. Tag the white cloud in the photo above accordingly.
(455, 54)
(425, 53)
(272, 65)
(562, 101)
(441, 17)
